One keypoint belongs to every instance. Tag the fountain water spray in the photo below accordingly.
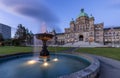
(37, 46)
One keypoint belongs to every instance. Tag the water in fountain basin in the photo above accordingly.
(26, 67)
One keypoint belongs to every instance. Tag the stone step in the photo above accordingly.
(83, 44)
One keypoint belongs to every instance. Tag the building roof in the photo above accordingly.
(72, 21)
(91, 16)
(118, 27)
(107, 28)
(83, 13)
(4, 25)
(60, 34)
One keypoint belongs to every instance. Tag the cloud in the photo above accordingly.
(114, 3)
(34, 9)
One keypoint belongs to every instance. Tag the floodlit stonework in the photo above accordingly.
(84, 29)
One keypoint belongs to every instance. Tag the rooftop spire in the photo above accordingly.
(82, 10)
(91, 16)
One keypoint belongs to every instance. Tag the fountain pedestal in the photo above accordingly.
(44, 52)
(44, 37)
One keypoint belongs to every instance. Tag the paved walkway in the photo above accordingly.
(109, 68)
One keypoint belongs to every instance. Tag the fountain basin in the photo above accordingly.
(44, 36)
(26, 66)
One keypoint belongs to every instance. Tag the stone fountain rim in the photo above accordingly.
(89, 72)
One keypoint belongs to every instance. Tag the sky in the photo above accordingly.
(56, 14)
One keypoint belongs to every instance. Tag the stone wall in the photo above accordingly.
(91, 71)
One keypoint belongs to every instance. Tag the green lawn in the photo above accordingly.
(11, 49)
(57, 49)
(107, 52)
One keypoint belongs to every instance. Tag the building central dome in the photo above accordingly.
(83, 13)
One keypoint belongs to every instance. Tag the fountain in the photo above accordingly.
(44, 37)
(24, 65)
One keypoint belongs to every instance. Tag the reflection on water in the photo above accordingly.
(31, 62)
(55, 59)
(45, 64)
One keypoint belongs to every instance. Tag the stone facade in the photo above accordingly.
(112, 35)
(84, 29)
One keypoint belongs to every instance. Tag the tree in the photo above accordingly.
(23, 36)
(7, 42)
(1, 39)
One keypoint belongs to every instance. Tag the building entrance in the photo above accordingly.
(81, 38)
